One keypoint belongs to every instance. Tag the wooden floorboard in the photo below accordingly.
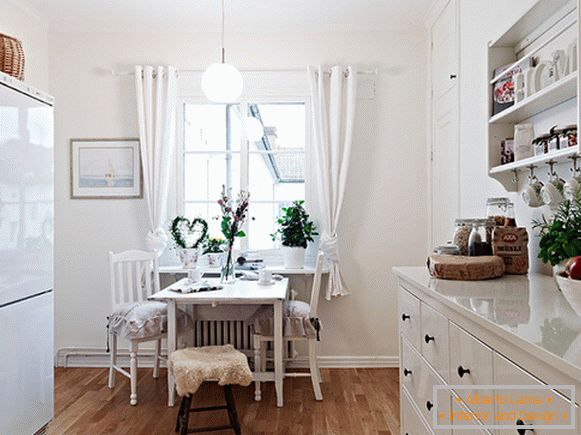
(356, 401)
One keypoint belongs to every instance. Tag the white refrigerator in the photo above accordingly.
(26, 258)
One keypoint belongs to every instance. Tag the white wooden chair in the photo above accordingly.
(310, 314)
(134, 277)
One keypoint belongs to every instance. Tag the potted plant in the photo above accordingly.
(213, 249)
(188, 237)
(560, 235)
(295, 230)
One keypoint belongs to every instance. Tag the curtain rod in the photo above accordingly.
(372, 72)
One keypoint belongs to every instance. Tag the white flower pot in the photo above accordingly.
(294, 257)
(213, 259)
(189, 257)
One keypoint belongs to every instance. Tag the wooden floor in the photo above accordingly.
(356, 401)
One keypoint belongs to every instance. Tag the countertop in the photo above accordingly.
(527, 309)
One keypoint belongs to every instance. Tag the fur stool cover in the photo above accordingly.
(194, 365)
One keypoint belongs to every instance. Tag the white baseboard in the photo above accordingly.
(98, 357)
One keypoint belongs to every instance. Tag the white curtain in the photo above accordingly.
(333, 100)
(156, 106)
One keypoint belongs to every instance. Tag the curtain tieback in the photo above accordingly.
(329, 244)
(156, 240)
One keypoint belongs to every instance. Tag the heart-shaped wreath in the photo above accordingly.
(188, 234)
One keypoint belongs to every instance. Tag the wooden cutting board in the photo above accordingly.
(461, 268)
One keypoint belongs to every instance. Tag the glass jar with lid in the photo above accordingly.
(462, 228)
(480, 239)
(501, 211)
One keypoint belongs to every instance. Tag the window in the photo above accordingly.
(216, 152)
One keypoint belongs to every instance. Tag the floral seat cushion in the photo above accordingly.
(296, 322)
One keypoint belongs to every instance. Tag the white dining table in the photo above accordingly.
(237, 293)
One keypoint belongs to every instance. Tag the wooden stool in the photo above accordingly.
(193, 366)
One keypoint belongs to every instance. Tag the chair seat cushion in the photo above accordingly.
(194, 365)
(141, 319)
(296, 322)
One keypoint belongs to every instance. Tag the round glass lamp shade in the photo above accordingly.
(222, 83)
(254, 129)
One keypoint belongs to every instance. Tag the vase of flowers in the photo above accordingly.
(213, 250)
(234, 214)
(295, 230)
(188, 237)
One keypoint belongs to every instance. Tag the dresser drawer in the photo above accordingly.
(434, 339)
(508, 373)
(475, 428)
(411, 423)
(411, 369)
(471, 364)
(409, 316)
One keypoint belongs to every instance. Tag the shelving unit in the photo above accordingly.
(547, 25)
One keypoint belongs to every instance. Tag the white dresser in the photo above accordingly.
(515, 331)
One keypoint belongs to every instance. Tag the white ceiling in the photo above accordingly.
(241, 15)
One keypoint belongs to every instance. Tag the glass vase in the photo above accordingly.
(227, 275)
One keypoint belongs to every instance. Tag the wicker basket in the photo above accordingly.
(11, 56)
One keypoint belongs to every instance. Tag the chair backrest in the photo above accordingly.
(134, 276)
(316, 290)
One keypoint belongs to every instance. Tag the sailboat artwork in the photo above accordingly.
(106, 168)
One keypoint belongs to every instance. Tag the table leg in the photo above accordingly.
(171, 347)
(278, 352)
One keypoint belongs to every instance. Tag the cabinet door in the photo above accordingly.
(434, 339)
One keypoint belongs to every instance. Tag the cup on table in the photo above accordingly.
(264, 276)
(194, 275)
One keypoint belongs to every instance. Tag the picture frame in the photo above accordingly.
(106, 169)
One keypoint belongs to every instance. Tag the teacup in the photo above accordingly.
(531, 193)
(265, 276)
(552, 193)
(572, 187)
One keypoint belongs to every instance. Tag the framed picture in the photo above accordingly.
(105, 168)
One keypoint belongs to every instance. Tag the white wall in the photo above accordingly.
(17, 19)
(480, 23)
(385, 219)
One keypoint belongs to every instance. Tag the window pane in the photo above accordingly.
(205, 127)
(209, 211)
(262, 224)
(284, 124)
(204, 175)
(277, 176)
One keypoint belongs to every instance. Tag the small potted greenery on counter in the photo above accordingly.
(213, 249)
(295, 231)
(188, 237)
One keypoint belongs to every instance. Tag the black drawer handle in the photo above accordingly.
(429, 405)
(452, 76)
(404, 317)
(462, 371)
(428, 338)
(519, 422)
(406, 372)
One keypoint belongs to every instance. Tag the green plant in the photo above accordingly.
(188, 234)
(561, 235)
(295, 229)
(213, 245)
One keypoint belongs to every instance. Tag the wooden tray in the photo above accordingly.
(461, 268)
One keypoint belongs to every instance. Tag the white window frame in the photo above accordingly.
(310, 192)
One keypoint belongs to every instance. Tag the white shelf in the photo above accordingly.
(552, 95)
(558, 156)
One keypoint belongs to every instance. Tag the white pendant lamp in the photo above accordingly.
(221, 82)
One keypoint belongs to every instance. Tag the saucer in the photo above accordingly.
(271, 282)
